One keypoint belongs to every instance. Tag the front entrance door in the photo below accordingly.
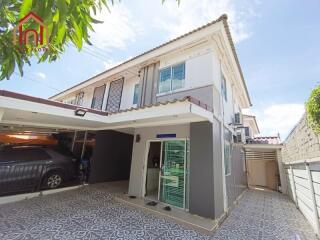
(173, 173)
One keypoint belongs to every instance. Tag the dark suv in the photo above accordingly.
(30, 168)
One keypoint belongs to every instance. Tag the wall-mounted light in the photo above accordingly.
(138, 138)
(80, 112)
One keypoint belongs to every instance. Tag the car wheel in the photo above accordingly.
(53, 180)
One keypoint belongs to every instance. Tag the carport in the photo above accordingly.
(113, 133)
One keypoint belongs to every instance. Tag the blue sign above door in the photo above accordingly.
(167, 135)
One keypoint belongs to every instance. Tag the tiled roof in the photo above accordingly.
(185, 99)
(266, 140)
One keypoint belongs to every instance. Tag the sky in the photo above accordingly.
(277, 42)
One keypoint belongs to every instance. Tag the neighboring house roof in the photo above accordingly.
(252, 119)
(267, 140)
(223, 18)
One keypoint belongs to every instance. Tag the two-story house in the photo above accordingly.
(180, 160)
(174, 111)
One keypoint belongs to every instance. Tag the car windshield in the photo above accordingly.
(23, 154)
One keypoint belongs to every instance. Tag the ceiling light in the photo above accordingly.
(80, 112)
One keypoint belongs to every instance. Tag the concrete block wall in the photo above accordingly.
(301, 144)
(301, 159)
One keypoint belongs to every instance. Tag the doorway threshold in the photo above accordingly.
(203, 225)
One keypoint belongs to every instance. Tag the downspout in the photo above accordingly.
(224, 187)
(84, 144)
(74, 140)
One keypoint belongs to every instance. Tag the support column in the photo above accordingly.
(313, 198)
(74, 140)
(284, 188)
(84, 144)
(201, 188)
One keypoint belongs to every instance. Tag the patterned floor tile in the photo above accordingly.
(92, 213)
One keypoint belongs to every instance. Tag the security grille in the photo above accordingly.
(114, 96)
(79, 98)
(97, 99)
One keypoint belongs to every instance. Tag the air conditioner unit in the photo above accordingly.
(238, 119)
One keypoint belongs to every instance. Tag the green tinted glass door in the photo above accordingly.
(172, 176)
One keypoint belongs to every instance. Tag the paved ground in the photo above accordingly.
(92, 213)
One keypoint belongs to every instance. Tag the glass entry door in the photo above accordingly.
(173, 173)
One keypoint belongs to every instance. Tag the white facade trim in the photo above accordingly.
(44, 115)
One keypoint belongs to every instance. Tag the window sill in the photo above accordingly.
(182, 90)
(171, 92)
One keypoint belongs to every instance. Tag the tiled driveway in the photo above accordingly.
(92, 213)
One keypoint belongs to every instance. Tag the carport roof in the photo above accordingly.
(22, 110)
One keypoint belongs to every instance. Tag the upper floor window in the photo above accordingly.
(224, 87)
(172, 78)
(136, 94)
(246, 131)
(97, 99)
(79, 98)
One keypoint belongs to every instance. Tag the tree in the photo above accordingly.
(313, 109)
(67, 21)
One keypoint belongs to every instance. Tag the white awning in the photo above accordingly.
(22, 110)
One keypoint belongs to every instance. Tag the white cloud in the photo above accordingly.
(41, 75)
(118, 28)
(278, 118)
(191, 14)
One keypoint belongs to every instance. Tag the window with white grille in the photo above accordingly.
(97, 99)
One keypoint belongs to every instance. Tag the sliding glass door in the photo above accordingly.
(173, 173)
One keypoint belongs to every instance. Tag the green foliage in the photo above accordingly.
(313, 109)
(67, 21)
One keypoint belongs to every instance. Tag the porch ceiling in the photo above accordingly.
(22, 110)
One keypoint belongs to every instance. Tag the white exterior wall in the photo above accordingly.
(88, 94)
(229, 104)
(128, 92)
(138, 168)
(200, 63)
(126, 98)
(202, 69)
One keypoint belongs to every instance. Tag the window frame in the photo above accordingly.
(79, 98)
(224, 91)
(93, 101)
(247, 130)
(171, 78)
(136, 90)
